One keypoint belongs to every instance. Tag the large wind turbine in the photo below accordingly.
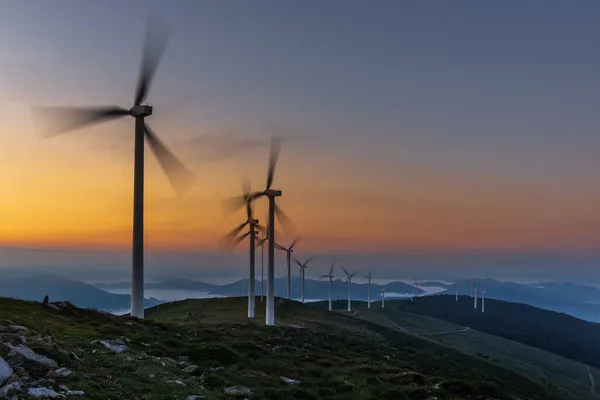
(274, 210)
(369, 277)
(233, 239)
(330, 276)
(303, 267)
(349, 283)
(72, 118)
(289, 251)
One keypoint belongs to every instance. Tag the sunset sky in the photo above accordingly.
(415, 125)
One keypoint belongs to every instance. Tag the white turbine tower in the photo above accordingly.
(349, 283)
(475, 296)
(369, 277)
(383, 298)
(483, 301)
(456, 292)
(303, 267)
(330, 276)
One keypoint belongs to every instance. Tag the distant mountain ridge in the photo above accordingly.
(578, 300)
(57, 288)
(315, 289)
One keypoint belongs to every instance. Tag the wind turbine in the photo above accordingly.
(475, 296)
(349, 283)
(383, 298)
(234, 240)
(261, 242)
(456, 288)
(483, 301)
(72, 118)
(274, 210)
(369, 277)
(330, 276)
(289, 252)
(303, 267)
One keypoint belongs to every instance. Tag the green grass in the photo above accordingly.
(568, 375)
(333, 356)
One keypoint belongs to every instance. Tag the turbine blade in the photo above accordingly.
(56, 120)
(238, 240)
(280, 247)
(298, 262)
(180, 177)
(234, 232)
(286, 223)
(295, 242)
(311, 258)
(157, 37)
(234, 203)
(331, 269)
(345, 271)
(273, 156)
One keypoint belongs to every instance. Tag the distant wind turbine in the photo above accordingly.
(456, 288)
(369, 277)
(261, 242)
(330, 276)
(232, 239)
(274, 211)
(483, 301)
(71, 118)
(303, 267)
(349, 283)
(475, 296)
(383, 297)
(289, 251)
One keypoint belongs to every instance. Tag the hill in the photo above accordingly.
(353, 350)
(62, 289)
(577, 300)
(572, 378)
(549, 330)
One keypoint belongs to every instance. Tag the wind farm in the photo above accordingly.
(437, 197)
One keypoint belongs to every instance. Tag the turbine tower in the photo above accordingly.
(475, 296)
(483, 301)
(369, 277)
(383, 298)
(71, 118)
(349, 283)
(274, 210)
(289, 251)
(303, 267)
(456, 288)
(261, 242)
(232, 239)
(330, 276)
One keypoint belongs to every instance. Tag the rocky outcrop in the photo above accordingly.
(5, 371)
(30, 357)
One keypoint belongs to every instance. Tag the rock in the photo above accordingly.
(31, 357)
(218, 369)
(43, 393)
(54, 306)
(194, 397)
(388, 358)
(59, 373)
(238, 391)
(18, 328)
(74, 393)
(190, 369)
(152, 376)
(14, 378)
(10, 389)
(46, 300)
(120, 341)
(74, 356)
(289, 381)
(117, 348)
(63, 388)
(5, 371)
(129, 358)
(13, 337)
(129, 323)
(177, 381)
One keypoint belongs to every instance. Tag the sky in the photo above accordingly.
(414, 126)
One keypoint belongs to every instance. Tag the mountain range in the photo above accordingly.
(57, 288)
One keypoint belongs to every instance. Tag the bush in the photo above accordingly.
(215, 353)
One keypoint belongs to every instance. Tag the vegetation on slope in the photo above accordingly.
(333, 357)
(555, 332)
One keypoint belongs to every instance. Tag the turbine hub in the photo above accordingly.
(140, 111)
(272, 193)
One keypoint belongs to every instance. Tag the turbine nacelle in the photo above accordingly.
(272, 193)
(140, 111)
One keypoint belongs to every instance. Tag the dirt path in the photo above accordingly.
(592, 380)
(442, 333)
(421, 333)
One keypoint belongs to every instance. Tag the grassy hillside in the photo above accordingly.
(203, 347)
(548, 330)
(571, 377)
